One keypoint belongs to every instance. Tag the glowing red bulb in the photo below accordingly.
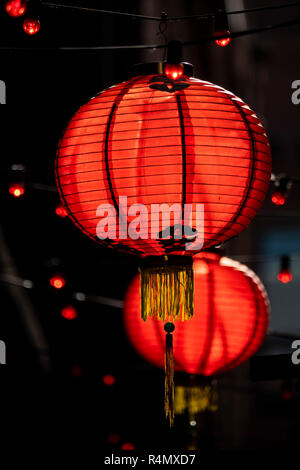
(16, 8)
(285, 276)
(16, 189)
(278, 198)
(57, 281)
(31, 26)
(127, 446)
(173, 71)
(222, 41)
(109, 380)
(61, 211)
(69, 312)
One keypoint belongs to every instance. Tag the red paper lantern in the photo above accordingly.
(157, 140)
(229, 323)
(140, 148)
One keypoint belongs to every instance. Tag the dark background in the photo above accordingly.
(53, 381)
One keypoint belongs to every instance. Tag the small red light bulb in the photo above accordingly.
(127, 446)
(69, 312)
(16, 189)
(31, 26)
(57, 281)
(221, 40)
(285, 276)
(16, 8)
(61, 211)
(278, 198)
(173, 71)
(109, 380)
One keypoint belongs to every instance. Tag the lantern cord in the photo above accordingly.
(202, 16)
(169, 379)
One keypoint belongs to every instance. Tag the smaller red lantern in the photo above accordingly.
(69, 312)
(16, 189)
(31, 26)
(222, 38)
(57, 281)
(16, 8)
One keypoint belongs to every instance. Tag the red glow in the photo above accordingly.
(223, 41)
(69, 312)
(127, 446)
(109, 380)
(16, 189)
(287, 394)
(16, 8)
(232, 321)
(173, 71)
(214, 126)
(57, 281)
(278, 198)
(76, 371)
(285, 276)
(31, 26)
(113, 438)
(61, 211)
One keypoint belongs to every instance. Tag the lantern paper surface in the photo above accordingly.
(156, 140)
(229, 324)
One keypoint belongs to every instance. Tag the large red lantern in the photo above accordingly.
(153, 143)
(229, 323)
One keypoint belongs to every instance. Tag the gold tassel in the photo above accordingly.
(169, 374)
(167, 289)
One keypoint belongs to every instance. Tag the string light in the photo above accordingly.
(222, 38)
(285, 276)
(69, 312)
(278, 198)
(16, 185)
(57, 281)
(16, 189)
(61, 211)
(128, 446)
(31, 26)
(16, 8)
(222, 32)
(109, 380)
(282, 185)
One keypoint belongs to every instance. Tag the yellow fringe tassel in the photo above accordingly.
(167, 292)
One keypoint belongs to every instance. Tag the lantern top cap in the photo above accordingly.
(152, 68)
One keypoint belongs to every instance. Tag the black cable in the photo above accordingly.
(201, 40)
(170, 19)
(106, 12)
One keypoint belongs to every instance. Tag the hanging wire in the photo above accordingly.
(201, 40)
(172, 18)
